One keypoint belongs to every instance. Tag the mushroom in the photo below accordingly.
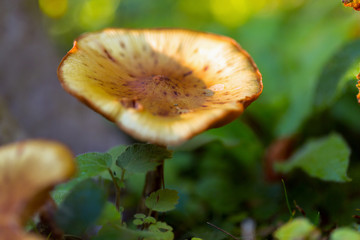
(352, 3)
(28, 171)
(163, 86)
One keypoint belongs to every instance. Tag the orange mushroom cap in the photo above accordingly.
(352, 3)
(28, 170)
(162, 86)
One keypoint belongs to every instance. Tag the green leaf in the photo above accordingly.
(81, 208)
(108, 232)
(162, 200)
(149, 220)
(345, 233)
(109, 215)
(140, 158)
(93, 164)
(119, 232)
(161, 231)
(236, 137)
(115, 152)
(299, 228)
(138, 222)
(334, 71)
(325, 158)
(140, 215)
(89, 165)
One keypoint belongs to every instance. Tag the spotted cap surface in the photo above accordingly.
(162, 86)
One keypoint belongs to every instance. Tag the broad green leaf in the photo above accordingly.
(325, 158)
(161, 231)
(196, 238)
(115, 152)
(297, 229)
(109, 232)
(81, 208)
(138, 222)
(230, 135)
(92, 164)
(237, 138)
(334, 71)
(345, 233)
(61, 191)
(162, 200)
(109, 214)
(140, 158)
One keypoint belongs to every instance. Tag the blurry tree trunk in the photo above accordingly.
(33, 100)
(9, 129)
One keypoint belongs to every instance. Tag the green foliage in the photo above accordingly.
(85, 203)
(326, 158)
(109, 232)
(141, 219)
(237, 137)
(345, 233)
(109, 214)
(299, 228)
(116, 151)
(140, 158)
(81, 208)
(334, 72)
(302, 228)
(162, 200)
(93, 164)
(161, 231)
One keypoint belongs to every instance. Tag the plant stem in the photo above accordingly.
(222, 230)
(117, 187)
(287, 199)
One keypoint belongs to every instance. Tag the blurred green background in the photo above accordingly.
(307, 51)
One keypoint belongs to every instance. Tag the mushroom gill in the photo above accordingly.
(161, 85)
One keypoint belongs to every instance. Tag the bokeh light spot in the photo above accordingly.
(97, 13)
(53, 8)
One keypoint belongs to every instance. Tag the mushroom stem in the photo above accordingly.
(154, 181)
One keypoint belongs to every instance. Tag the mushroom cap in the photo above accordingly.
(162, 86)
(352, 3)
(28, 171)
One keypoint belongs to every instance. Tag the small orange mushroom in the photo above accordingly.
(352, 3)
(28, 171)
(162, 86)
